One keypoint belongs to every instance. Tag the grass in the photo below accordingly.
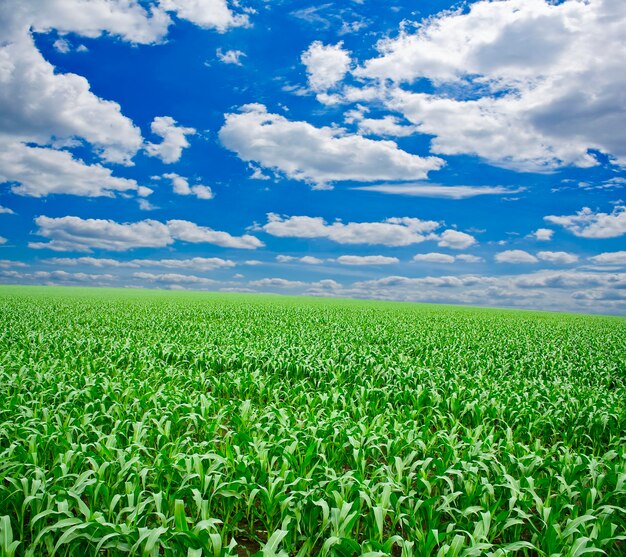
(154, 423)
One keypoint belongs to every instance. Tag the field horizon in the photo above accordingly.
(273, 296)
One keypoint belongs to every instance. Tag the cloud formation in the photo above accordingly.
(319, 156)
(425, 189)
(84, 235)
(326, 65)
(533, 109)
(181, 187)
(194, 263)
(515, 256)
(587, 223)
(392, 232)
(174, 139)
(41, 171)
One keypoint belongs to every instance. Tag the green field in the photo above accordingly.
(156, 423)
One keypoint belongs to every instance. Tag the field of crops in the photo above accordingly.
(155, 423)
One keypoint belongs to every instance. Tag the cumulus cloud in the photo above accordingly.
(308, 259)
(469, 258)
(9, 263)
(62, 45)
(40, 171)
(391, 232)
(558, 257)
(525, 290)
(515, 256)
(209, 14)
(587, 223)
(543, 234)
(182, 187)
(610, 258)
(127, 19)
(195, 263)
(570, 279)
(77, 234)
(326, 65)
(441, 191)
(175, 278)
(532, 109)
(6, 211)
(366, 260)
(277, 283)
(3, 240)
(45, 106)
(190, 232)
(434, 257)
(174, 139)
(317, 155)
(230, 56)
(455, 239)
(84, 235)
(39, 104)
(388, 126)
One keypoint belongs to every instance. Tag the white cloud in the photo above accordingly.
(76, 234)
(39, 104)
(366, 260)
(543, 234)
(590, 224)
(326, 65)
(42, 105)
(39, 171)
(434, 257)
(308, 259)
(527, 290)
(323, 287)
(126, 19)
(391, 232)
(6, 211)
(174, 139)
(209, 14)
(446, 258)
(610, 258)
(3, 240)
(388, 126)
(194, 263)
(190, 232)
(570, 279)
(524, 108)
(558, 257)
(317, 155)
(230, 56)
(145, 205)
(9, 263)
(600, 295)
(469, 258)
(515, 256)
(182, 187)
(83, 235)
(175, 278)
(62, 45)
(277, 283)
(99, 262)
(456, 240)
(438, 190)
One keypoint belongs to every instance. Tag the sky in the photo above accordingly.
(427, 151)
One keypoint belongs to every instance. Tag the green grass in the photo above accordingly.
(153, 423)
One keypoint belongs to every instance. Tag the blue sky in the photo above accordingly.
(469, 153)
